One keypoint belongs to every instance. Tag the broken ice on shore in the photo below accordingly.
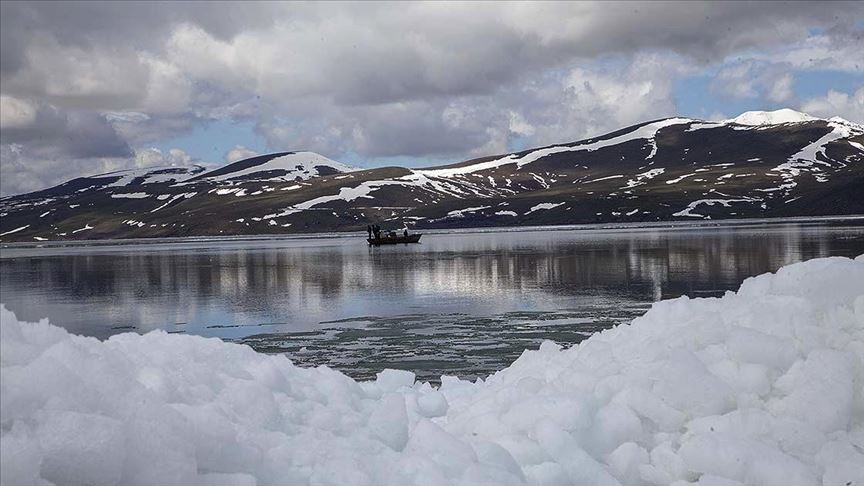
(759, 387)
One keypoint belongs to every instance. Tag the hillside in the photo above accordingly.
(760, 164)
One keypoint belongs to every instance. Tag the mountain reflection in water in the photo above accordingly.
(461, 303)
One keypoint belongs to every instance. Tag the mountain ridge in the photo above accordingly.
(760, 164)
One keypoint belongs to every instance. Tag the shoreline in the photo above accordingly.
(635, 226)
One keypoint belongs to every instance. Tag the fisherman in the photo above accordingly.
(405, 232)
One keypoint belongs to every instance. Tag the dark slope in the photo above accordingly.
(674, 169)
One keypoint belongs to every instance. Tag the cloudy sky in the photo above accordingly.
(87, 88)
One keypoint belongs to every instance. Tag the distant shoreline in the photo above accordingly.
(670, 225)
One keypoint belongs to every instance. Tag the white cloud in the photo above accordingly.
(839, 49)
(25, 170)
(837, 103)
(752, 79)
(16, 113)
(153, 157)
(781, 89)
(441, 81)
(592, 102)
(239, 152)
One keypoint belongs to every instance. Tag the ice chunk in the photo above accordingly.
(624, 463)
(82, 449)
(389, 421)
(761, 386)
(432, 404)
(392, 380)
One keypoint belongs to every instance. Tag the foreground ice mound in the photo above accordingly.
(759, 387)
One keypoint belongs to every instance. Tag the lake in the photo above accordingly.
(461, 302)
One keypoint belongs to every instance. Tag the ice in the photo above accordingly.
(759, 387)
(432, 404)
(624, 463)
(389, 421)
(392, 380)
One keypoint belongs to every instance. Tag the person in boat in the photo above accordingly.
(405, 232)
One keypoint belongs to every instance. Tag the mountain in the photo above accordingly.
(759, 164)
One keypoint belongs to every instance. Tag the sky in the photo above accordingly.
(87, 88)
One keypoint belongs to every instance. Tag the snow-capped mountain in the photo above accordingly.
(759, 164)
(777, 117)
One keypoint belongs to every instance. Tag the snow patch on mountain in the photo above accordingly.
(150, 175)
(543, 207)
(807, 159)
(688, 211)
(303, 165)
(647, 131)
(776, 117)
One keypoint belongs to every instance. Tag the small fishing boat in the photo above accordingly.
(393, 240)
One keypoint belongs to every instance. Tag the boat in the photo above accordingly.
(394, 240)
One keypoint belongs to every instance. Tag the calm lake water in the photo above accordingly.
(463, 303)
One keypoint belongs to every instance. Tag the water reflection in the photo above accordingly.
(237, 289)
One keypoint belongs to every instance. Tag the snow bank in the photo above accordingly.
(760, 387)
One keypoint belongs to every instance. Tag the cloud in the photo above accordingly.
(350, 53)
(781, 88)
(752, 79)
(588, 102)
(153, 157)
(239, 152)
(48, 130)
(16, 113)
(837, 103)
(839, 48)
(102, 81)
(574, 104)
(24, 169)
